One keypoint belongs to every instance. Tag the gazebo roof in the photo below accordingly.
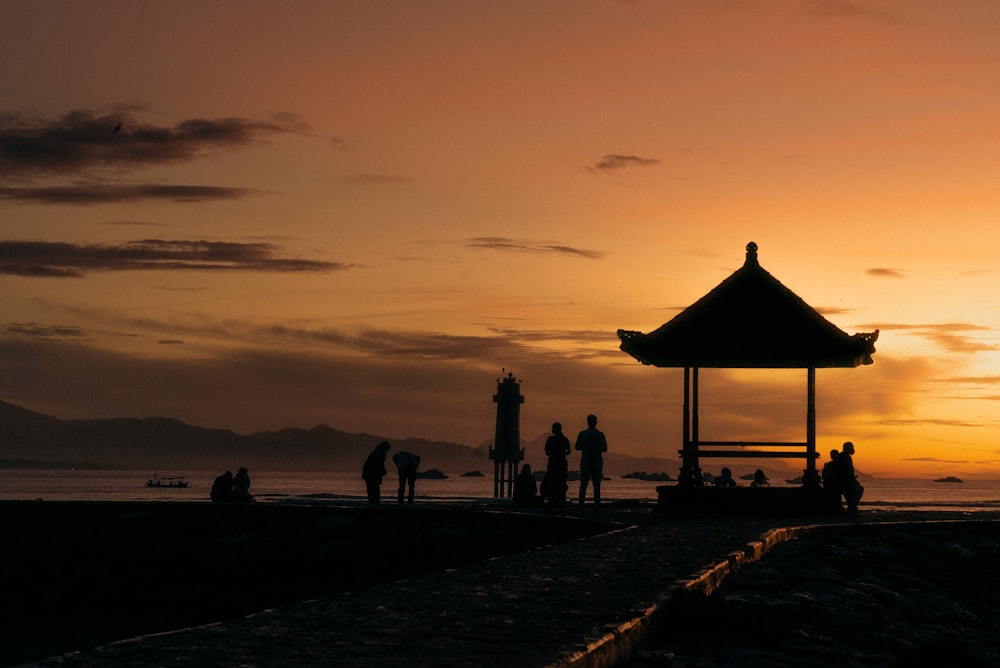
(750, 320)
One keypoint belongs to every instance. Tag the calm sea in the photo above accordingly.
(81, 485)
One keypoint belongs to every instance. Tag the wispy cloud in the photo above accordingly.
(374, 179)
(105, 194)
(846, 9)
(53, 259)
(613, 161)
(508, 245)
(950, 336)
(85, 139)
(940, 422)
(51, 332)
(885, 272)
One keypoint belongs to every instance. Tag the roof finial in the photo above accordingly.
(751, 253)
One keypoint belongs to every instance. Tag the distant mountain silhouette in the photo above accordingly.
(34, 440)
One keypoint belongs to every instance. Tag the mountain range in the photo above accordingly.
(34, 440)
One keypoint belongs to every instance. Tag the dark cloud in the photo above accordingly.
(529, 246)
(614, 161)
(832, 310)
(53, 332)
(427, 396)
(885, 272)
(108, 194)
(54, 259)
(170, 342)
(83, 139)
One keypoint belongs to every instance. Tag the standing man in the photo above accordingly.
(591, 444)
(373, 471)
(406, 465)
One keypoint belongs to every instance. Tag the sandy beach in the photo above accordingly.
(921, 593)
(450, 586)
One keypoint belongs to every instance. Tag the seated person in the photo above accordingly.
(525, 488)
(725, 479)
(759, 479)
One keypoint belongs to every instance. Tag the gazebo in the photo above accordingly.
(749, 321)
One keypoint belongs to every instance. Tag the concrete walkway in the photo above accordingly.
(588, 602)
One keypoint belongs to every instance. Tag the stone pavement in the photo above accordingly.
(582, 603)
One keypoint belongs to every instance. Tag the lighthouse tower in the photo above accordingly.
(507, 452)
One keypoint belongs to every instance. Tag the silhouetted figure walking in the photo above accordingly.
(373, 470)
(222, 488)
(407, 464)
(554, 484)
(241, 487)
(592, 444)
(525, 488)
(852, 488)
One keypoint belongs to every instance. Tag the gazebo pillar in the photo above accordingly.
(690, 474)
(810, 476)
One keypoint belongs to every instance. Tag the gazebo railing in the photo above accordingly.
(744, 452)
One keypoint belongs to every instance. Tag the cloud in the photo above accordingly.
(106, 194)
(528, 246)
(55, 259)
(83, 139)
(852, 10)
(373, 179)
(948, 335)
(885, 272)
(940, 422)
(832, 310)
(614, 161)
(51, 332)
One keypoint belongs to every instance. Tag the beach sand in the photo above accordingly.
(906, 594)
(449, 586)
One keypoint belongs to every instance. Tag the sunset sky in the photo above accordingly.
(360, 213)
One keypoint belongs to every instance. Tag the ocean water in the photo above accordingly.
(313, 487)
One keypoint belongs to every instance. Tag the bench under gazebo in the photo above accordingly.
(749, 321)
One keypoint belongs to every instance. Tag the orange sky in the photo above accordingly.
(358, 213)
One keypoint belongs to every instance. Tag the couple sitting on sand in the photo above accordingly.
(228, 488)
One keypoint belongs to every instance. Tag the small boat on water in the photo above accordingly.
(949, 478)
(432, 474)
(175, 482)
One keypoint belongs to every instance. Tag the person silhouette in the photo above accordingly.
(241, 487)
(725, 478)
(372, 472)
(760, 479)
(222, 488)
(406, 465)
(554, 484)
(525, 488)
(833, 485)
(591, 443)
(848, 478)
